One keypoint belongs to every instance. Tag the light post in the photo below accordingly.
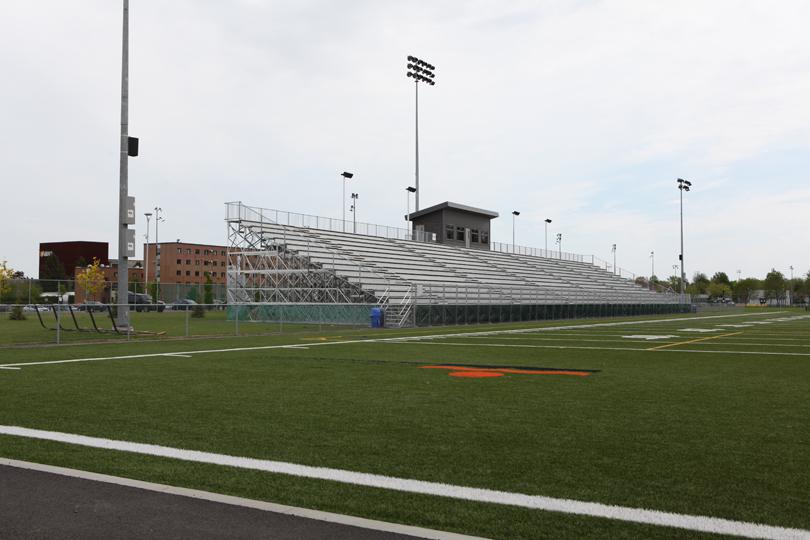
(354, 212)
(420, 71)
(146, 255)
(683, 185)
(346, 176)
(559, 243)
(613, 250)
(676, 267)
(515, 213)
(791, 272)
(652, 263)
(158, 219)
(546, 227)
(408, 191)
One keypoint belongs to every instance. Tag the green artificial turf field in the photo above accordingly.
(701, 415)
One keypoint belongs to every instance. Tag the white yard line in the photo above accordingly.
(566, 506)
(582, 347)
(376, 340)
(305, 513)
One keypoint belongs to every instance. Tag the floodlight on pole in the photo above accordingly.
(515, 213)
(346, 176)
(683, 185)
(408, 191)
(419, 71)
(546, 227)
(355, 196)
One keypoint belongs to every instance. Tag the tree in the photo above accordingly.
(775, 285)
(721, 277)
(208, 290)
(743, 288)
(52, 271)
(6, 275)
(719, 290)
(700, 283)
(91, 279)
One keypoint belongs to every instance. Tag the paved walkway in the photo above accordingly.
(39, 504)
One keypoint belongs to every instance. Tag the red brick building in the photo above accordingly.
(71, 255)
(110, 271)
(186, 264)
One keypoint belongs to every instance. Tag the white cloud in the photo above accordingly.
(585, 112)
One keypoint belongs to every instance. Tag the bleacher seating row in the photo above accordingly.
(403, 271)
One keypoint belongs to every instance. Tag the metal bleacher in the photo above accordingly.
(401, 273)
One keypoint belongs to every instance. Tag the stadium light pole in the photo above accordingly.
(123, 179)
(355, 196)
(346, 176)
(559, 243)
(420, 71)
(146, 255)
(408, 191)
(791, 272)
(652, 263)
(158, 219)
(683, 185)
(515, 213)
(546, 223)
(613, 250)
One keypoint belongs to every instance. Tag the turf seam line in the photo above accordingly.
(707, 338)
(537, 502)
(305, 513)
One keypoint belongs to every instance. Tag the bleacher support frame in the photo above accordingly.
(295, 271)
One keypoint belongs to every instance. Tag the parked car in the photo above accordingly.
(92, 305)
(183, 304)
(143, 302)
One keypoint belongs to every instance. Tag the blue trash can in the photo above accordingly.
(377, 317)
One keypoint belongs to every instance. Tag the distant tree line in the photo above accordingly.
(775, 286)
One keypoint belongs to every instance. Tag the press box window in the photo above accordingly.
(484, 237)
(460, 233)
(449, 229)
(474, 236)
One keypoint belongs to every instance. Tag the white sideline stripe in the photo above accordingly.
(9, 367)
(305, 513)
(178, 355)
(566, 506)
(639, 349)
(377, 340)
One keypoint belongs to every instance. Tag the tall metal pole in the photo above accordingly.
(652, 269)
(158, 219)
(546, 244)
(344, 204)
(146, 256)
(513, 232)
(683, 271)
(416, 87)
(123, 183)
(615, 270)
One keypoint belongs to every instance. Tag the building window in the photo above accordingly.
(207, 263)
(179, 251)
(222, 252)
(188, 272)
(197, 273)
(448, 231)
(196, 252)
(484, 237)
(188, 251)
(222, 274)
(179, 261)
(460, 233)
(188, 261)
(197, 262)
(474, 236)
(179, 272)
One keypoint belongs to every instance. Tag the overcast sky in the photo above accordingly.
(584, 112)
